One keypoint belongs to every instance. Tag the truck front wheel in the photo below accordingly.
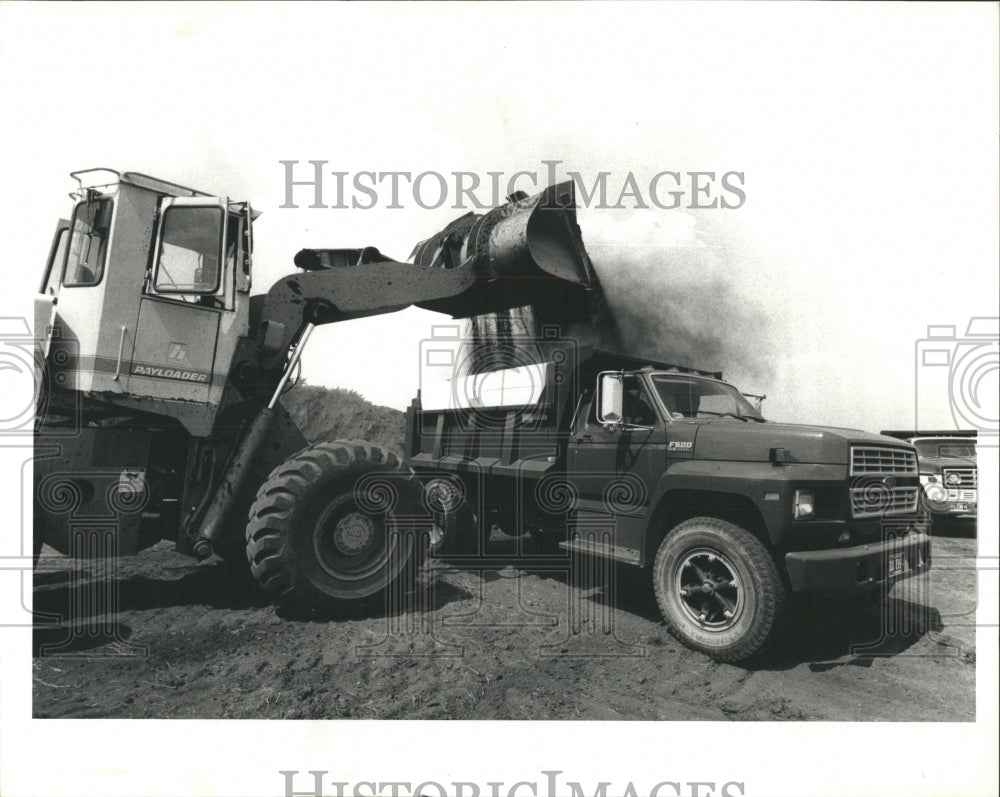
(326, 526)
(718, 589)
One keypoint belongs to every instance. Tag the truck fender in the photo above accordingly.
(731, 491)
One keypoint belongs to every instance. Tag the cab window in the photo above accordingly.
(637, 407)
(190, 254)
(88, 244)
(232, 241)
(53, 271)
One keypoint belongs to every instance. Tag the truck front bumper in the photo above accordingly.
(860, 568)
(963, 510)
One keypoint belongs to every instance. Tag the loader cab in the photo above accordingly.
(150, 282)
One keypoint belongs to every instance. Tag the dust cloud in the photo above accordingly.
(686, 297)
(668, 294)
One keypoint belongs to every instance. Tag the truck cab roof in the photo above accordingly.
(605, 359)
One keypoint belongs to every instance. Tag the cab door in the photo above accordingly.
(188, 288)
(615, 470)
(48, 292)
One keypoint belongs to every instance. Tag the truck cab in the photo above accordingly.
(949, 475)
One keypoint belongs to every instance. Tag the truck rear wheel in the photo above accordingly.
(718, 589)
(456, 527)
(325, 526)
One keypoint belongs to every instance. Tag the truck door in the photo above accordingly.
(189, 287)
(614, 470)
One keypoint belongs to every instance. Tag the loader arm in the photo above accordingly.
(527, 251)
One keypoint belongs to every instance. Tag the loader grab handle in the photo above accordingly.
(121, 351)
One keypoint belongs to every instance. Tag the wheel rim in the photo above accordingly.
(349, 543)
(709, 588)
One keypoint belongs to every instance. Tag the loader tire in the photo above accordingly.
(326, 527)
(719, 589)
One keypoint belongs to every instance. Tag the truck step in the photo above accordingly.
(594, 548)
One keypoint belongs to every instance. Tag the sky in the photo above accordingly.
(866, 135)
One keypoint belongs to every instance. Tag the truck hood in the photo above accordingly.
(937, 464)
(741, 441)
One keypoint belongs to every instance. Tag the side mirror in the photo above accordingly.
(610, 398)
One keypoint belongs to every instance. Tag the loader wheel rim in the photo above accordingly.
(353, 533)
(709, 589)
(347, 542)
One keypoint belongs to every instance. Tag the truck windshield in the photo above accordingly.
(945, 447)
(690, 397)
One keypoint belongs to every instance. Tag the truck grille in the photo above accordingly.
(876, 499)
(968, 478)
(884, 460)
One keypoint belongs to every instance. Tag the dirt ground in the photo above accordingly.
(166, 637)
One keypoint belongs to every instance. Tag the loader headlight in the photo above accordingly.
(804, 506)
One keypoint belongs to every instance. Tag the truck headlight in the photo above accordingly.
(954, 479)
(934, 491)
(804, 506)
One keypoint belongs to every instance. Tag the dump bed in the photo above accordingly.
(513, 421)
(505, 422)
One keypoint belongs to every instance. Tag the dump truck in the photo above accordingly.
(669, 471)
(160, 417)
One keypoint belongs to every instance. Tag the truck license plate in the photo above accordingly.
(897, 564)
(960, 506)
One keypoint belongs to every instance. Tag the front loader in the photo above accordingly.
(159, 410)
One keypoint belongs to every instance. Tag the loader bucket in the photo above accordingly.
(535, 237)
(528, 251)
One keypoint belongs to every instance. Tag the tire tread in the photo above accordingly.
(773, 598)
(272, 517)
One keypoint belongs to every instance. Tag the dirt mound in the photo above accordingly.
(337, 414)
